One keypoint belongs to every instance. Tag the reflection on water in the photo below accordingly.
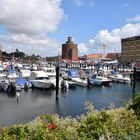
(137, 86)
(26, 105)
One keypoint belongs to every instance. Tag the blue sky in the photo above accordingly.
(41, 26)
(84, 21)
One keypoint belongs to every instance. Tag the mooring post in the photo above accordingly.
(97, 68)
(88, 83)
(134, 80)
(57, 80)
(131, 77)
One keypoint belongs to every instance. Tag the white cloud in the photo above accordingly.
(134, 19)
(130, 30)
(83, 2)
(91, 41)
(82, 48)
(30, 16)
(28, 22)
(39, 45)
(112, 39)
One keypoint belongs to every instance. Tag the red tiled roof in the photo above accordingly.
(94, 56)
(111, 55)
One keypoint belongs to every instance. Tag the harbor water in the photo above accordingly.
(26, 105)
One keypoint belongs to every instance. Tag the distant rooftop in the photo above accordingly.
(94, 56)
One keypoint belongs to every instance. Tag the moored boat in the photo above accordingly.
(120, 78)
(40, 79)
(100, 80)
(23, 83)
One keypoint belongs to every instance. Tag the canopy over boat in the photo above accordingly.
(73, 73)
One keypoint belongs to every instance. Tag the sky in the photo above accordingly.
(40, 27)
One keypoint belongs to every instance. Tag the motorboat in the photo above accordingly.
(25, 73)
(23, 83)
(34, 67)
(79, 81)
(64, 85)
(7, 86)
(100, 80)
(40, 79)
(12, 74)
(50, 70)
(74, 76)
(120, 78)
(18, 66)
(70, 82)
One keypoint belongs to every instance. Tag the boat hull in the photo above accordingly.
(80, 82)
(120, 80)
(101, 81)
(106, 83)
(41, 84)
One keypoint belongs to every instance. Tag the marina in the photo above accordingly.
(29, 90)
(43, 88)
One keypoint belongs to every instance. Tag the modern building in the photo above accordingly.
(130, 49)
(70, 50)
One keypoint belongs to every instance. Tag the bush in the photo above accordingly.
(136, 104)
(115, 124)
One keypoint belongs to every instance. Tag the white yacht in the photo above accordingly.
(25, 73)
(120, 78)
(40, 79)
(50, 70)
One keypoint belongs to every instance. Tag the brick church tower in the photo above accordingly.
(70, 50)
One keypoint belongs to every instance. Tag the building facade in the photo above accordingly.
(70, 50)
(130, 49)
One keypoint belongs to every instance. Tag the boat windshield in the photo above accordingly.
(50, 71)
(42, 78)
